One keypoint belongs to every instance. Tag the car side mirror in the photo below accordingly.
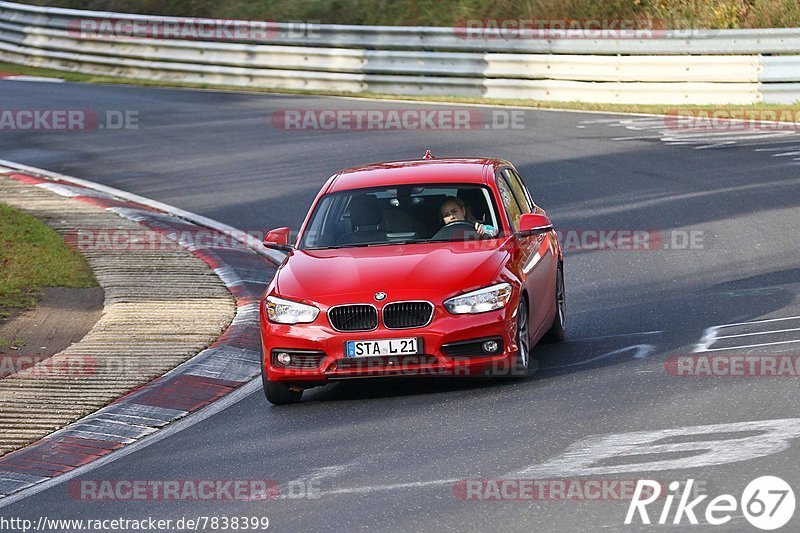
(533, 224)
(278, 239)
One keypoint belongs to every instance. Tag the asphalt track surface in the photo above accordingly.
(386, 454)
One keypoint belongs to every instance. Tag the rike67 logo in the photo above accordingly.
(767, 503)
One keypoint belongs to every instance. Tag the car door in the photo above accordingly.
(538, 262)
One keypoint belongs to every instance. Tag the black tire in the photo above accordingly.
(279, 393)
(522, 362)
(558, 330)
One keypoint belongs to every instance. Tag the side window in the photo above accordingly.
(509, 201)
(520, 193)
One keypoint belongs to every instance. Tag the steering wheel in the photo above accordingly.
(447, 231)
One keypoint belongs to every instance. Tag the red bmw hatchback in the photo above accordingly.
(433, 267)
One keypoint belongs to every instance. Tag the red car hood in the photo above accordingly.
(431, 271)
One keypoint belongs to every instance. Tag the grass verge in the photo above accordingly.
(33, 256)
(10, 68)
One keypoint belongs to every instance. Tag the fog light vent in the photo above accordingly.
(297, 358)
(474, 347)
(490, 346)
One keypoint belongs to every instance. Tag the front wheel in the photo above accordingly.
(279, 393)
(558, 330)
(522, 362)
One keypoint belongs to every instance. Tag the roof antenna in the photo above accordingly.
(428, 155)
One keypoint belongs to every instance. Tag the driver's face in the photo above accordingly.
(451, 212)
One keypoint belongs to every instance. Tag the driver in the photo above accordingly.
(455, 209)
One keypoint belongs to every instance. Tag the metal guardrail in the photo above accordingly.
(693, 41)
(705, 67)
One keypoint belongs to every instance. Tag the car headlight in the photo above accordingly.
(283, 311)
(480, 301)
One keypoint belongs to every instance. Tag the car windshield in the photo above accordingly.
(402, 215)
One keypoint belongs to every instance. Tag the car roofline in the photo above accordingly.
(437, 160)
(488, 164)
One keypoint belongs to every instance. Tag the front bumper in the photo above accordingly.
(444, 329)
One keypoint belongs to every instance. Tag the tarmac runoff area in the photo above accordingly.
(179, 330)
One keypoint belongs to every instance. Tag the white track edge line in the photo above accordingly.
(234, 397)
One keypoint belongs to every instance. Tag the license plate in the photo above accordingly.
(382, 347)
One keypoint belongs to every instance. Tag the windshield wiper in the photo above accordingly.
(407, 241)
(368, 244)
(333, 247)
